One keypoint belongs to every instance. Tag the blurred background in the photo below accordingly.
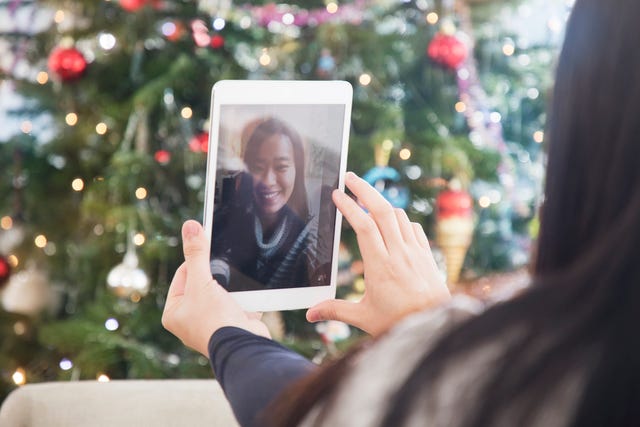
(103, 142)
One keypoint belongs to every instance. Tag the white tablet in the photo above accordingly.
(277, 150)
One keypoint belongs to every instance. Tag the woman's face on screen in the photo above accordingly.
(274, 173)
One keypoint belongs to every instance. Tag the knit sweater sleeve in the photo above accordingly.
(253, 370)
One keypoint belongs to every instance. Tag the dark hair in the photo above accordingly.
(262, 131)
(582, 311)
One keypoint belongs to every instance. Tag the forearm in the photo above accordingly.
(253, 370)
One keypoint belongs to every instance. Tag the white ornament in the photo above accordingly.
(28, 292)
(126, 280)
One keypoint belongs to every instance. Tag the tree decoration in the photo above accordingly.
(135, 5)
(454, 228)
(126, 280)
(67, 64)
(28, 292)
(162, 156)
(386, 179)
(199, 143)
(5, 271)
(217, 41)
(447, 50)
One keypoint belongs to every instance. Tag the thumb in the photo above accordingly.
(336, 309)
(196, 250)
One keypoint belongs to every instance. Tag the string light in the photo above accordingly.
(186, 113)
(538, 136)
(107, 41)
(101, 128)
(102, 378)
(19, 377)
(65, 364)
(219, 24)
(98, 229)
(26, 127)
(460, 107)
(508, 49)
(6, 222)
(405, 154)
(58, 17)
(141, 193)
(77, 184)
(264, 59)
(42, 77)
(40, 241)
(332, 7)
(432, 18)
(111, 324)
(19, 328)
(364, 79)
(139, 239)
(287, 19)
(71, 119)
(484, 201)
(533, 93)
(13, 260)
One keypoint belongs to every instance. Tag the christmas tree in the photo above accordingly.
(110, 158)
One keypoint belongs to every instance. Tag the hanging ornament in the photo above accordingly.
(5, 271)
(217, 41)
(448, 50)
(387, 180)
(326, 65)
(135, 5)
(162, 156)
(67, 64)
(454, 228)
(126, 280)
(28, 292)
(199, 143)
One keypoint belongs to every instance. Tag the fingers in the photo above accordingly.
(406, 227)
(420, 236)
(336, 309)
(196, 252)
(381, 210)
(176, 288)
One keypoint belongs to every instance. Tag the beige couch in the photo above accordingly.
(124, 403)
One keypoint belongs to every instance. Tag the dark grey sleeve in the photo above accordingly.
(253, 370)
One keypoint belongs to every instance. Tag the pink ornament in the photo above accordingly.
(447, 50)
(67, 63)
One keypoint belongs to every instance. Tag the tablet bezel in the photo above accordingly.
(278, 92)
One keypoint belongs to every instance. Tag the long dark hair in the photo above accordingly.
(582, 310)
(262, 131)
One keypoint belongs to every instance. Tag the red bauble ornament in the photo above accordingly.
(447, 50)
(135, 5)
(199, 143)
(67, 63)
(454, 203)
(162, 156)
(217, 41)
(5, 271)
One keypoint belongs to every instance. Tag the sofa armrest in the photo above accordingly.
(118, 403)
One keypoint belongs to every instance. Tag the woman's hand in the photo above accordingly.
(197, 305)
(400, 274)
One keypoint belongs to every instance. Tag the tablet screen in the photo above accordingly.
(273, 218)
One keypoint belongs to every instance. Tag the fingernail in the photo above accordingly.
(312, 316)
(189, 229)
(350, 176)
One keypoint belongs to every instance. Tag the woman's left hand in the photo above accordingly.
(197, 305)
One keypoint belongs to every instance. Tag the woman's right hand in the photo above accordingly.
(401, 276)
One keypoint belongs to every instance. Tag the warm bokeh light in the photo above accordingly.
(101, 128)
(19, 377)
(484, 201)
(538, 136)
(387, 144)
(6, 222)
(42, 77)
(405, 154)
(264, 59)
(40, 241)
(432, 18)
(19, 328)
(71, 119)
(332, 7)
(364, 79)
(102, 378)
(59, 16)
(141, 193)
(508, 49)
(460, 107)
(13, 260)
(139, 239)
(186, 113)
(26, 127)
(77, 184)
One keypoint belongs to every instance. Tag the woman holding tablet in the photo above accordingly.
(565, 352)
(264, 236)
